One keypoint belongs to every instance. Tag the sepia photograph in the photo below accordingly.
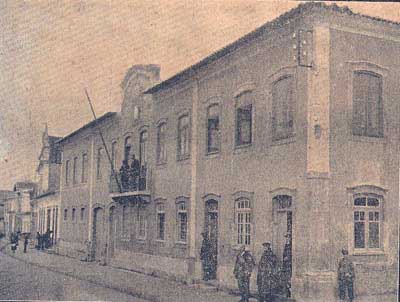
(199, 151)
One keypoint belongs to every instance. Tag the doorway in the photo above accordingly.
(211, 228)
(98, 233)
(112, 232)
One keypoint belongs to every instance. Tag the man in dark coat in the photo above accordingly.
(286, 274)
(243, 268)
(39, 240)
(135, 170)
(267, 274)
(25, 243)
(346, 276)
(124, 172)
(205, 256)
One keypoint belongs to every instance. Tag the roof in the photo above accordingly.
(279, 22)
(92, 124)
(45, 194)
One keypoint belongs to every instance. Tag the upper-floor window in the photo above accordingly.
(74, 170)
(183, 137)
(160, 221)
(243, 221)
(282, 108)
(65, 214)
(367, 221)
(161, 143)
(213, 131)
(82, 214)
(367, 104)
(73, 215)
(143, 145)
(85, 162)
(127, 148)
(99, 162)
(182, 221)
(113, 154)
(244, 108)
(67, 172)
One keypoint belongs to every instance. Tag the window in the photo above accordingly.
(99, 162)
(74, 170)
(127, 148)
(160, 222)
(367, 218)
(182, 222)
(367, 104)
(141, 223)
(142, 151)
(282, 108)
(243, 221)
(65, 214)
(113, 154)
(243, 134)
(67, 172)
(85, 162)
(136, 113)
(183, 137)
(125, 221)
(161, 143)
(73, 215)
(213, 132)
(82, 214)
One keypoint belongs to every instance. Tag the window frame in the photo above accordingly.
(141, 216)
(82, 214)
(67, 168)
(85, 164)
(99, 158)
(207, 127)
(180, 211)
(161, 140)
(160, 210)
(65, 217)
(183, 133)
(244, 105)
(73, 215)
(244, 212)
(75, 171)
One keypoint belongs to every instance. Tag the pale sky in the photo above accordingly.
(51, 50)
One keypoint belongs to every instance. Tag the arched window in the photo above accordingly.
(75, 170)
(85, 167)
(73, 215)
(182, 221)
(65, 214)
(183, 137)
(160, 221)
(367, 104)
(161, 143)
(99, 162)
(282, 108)
(143, 145)
(244, 109)
(367, 221)
(127, 148)
(243, 221)
(213, 131)
(66, 172)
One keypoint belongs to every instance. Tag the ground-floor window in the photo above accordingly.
(160, 222)
(243, 221)
(367, 221)
(182, 221)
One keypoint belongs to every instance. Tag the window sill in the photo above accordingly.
(369, 253)
(161, 241)
(283, 141)
(367, 139)
(181, 243)
(243, 148)
(211, 155)
(182, 158)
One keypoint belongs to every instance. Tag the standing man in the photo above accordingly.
(205, 256)
(267, 274)
(39, 241)
(25, 243)
(135, 168)
(346, 276)
(286, 274)
(243, 268)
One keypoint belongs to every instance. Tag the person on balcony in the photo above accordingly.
(124, 171)
(135, 172)
(142, 177)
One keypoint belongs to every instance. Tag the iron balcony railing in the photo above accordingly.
(130, 181)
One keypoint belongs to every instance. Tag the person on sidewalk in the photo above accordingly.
(267, 276)
(25, 243)
(38, 238)
(286, 274)
(346, 276)
(243, 268)
(205, 256)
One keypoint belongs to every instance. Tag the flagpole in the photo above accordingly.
(104, 143)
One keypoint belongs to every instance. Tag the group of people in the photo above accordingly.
(44, 241)
(133, 177)
(14, 241)
(272, 280)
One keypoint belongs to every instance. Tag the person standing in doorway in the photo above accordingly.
(346, 276)
(205, 256)
(25, 243)
(267, 274)
(243, 268)
(286, 274)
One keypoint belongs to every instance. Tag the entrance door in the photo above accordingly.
(98, 233)
(211, 228)
(112, 232)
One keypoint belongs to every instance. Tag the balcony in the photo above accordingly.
(131, 186)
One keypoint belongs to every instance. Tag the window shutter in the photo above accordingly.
(360, 84)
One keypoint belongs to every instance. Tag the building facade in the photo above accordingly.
(289, 134)
(45, 205)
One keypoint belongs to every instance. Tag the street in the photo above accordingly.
(23, 281)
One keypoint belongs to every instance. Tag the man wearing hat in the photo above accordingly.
(286, 274)
(205, 256)
(346, 276)
(267, 279)
(243, 268)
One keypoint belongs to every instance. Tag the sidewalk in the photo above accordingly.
(140, 285)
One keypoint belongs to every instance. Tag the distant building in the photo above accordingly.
(290, 132)
(46, 204)
(4, 195)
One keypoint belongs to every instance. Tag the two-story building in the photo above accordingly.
(288, 135)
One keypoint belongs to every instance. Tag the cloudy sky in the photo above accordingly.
(51, 50)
